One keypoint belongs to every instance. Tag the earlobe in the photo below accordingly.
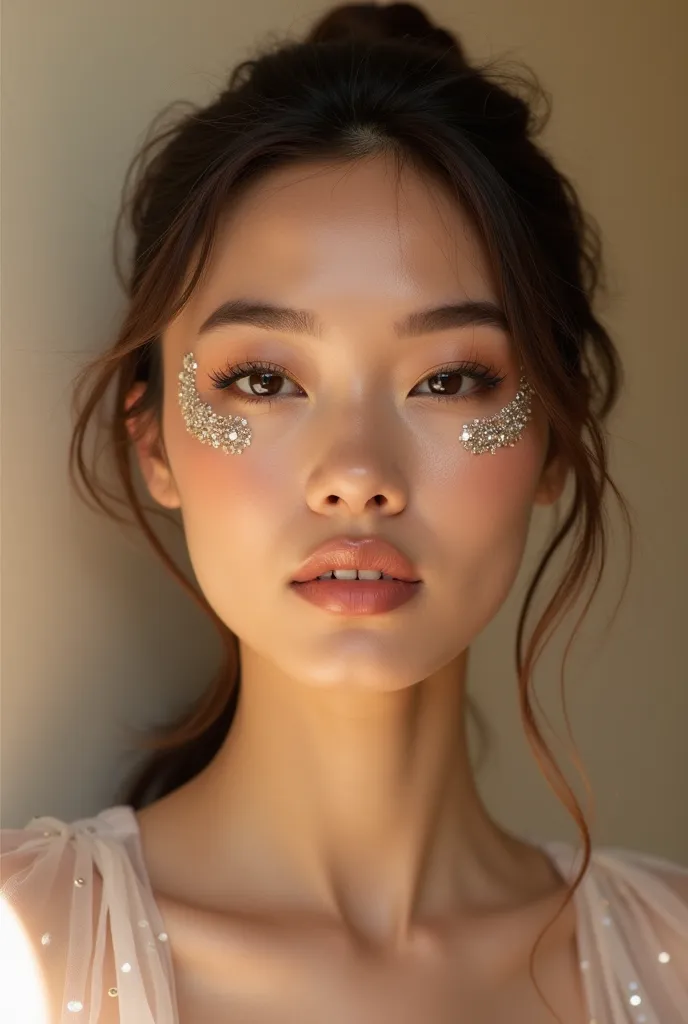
(150, 452)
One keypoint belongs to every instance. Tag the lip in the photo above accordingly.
(357, 553)
(357, 597)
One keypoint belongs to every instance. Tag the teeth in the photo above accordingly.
(352, 574)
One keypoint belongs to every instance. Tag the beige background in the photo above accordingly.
(94, 636)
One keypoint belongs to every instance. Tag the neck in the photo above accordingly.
(361, 806)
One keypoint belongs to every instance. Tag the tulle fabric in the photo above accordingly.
(103, 932)
(84, 884)
(632, 910)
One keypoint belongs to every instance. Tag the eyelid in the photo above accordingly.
(245, 368)
(487, 379)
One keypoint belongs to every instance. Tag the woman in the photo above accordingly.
(360, 349)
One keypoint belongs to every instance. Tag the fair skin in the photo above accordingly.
(336, 852)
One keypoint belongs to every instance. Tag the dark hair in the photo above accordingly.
(368, 80)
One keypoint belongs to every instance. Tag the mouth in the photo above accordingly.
(353, 576)
(360, 560)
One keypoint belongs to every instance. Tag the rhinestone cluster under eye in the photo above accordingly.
(505, 428)
(230, 433)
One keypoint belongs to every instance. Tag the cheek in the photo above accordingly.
(228, 505)
(467, 518)
(480, 507)
(215, 487)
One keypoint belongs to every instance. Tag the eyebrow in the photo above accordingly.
(303, 321)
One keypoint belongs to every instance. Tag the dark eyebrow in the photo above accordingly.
(304, 321)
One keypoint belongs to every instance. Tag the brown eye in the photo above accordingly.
(261, 383)
(445, 383)
(253, 381)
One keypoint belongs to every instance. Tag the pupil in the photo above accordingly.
(443, 389)
(270, 378)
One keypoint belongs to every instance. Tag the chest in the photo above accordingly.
(310, 979)
(407, 1004)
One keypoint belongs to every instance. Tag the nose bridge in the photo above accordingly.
(363, 424)
(358, 457)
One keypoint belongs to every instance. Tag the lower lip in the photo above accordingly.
(357, 597)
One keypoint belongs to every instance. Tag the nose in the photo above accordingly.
(355, 476)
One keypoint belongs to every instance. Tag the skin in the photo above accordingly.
(337, 851)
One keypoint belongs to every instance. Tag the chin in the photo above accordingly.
(362, 663)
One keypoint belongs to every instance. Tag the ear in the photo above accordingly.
(147, 441)
(553, 477)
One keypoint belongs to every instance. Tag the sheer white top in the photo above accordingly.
(86, 906)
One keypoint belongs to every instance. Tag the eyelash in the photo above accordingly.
(488, 377)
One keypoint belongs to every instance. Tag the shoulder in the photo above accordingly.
(622, 872)
(633, 931)
(636, 882)
(76, 900)
(640, 901)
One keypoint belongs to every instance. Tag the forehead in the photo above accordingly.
(345, 237)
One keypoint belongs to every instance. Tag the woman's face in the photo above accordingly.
(350, 440)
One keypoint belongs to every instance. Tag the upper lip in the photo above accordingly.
(357, 553)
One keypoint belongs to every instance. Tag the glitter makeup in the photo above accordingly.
(502, 430)
(231, 434)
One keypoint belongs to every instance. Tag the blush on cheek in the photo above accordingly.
(481, 523)
(512, 473)
(208, 478)
(233, 493)
(486, 495)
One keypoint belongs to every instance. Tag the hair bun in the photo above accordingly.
(373, 23)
